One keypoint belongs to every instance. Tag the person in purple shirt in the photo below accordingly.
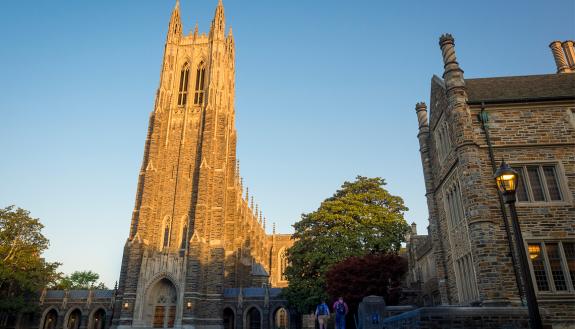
(340, 309)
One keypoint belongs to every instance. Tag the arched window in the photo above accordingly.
(166, 236)
(229, 318)
(98, 320)
(442, 140)
(74, 319)
(253, 319)
(200, 80)
(283, 262)
(51, 319)
(281, 319)
(184, 237)
(183, 91)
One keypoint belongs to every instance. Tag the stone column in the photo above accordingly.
(560, 61)
(84, 318)
(478, 194)
(569, 53)
(438, 250)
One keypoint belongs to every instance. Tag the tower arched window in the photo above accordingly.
(184, 237)
(283, 263)
(166, 236)
(183, 90)
(200, 82)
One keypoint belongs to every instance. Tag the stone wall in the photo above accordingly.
(460, 318)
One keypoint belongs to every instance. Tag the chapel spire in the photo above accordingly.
(219, 22)
(175, 27)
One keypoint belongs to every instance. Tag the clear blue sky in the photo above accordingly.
(325, 91)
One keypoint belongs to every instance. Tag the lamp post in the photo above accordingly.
(506, 179)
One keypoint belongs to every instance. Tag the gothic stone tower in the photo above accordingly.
(192, 233)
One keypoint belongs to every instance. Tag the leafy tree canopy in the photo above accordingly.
(22, 271)
(360, 218)
(80, 280)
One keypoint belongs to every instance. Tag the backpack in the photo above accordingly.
(322, 309)
(340, 308)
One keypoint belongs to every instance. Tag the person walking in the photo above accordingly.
(340, 308)
(322, 314)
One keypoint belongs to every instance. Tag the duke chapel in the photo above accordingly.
(197, 255)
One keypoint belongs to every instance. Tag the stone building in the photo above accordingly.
(75, 309)
(197, 255)
(194, 233)
(471, 125)
(421, 280)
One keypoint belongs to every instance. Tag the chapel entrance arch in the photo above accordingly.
(160, 305)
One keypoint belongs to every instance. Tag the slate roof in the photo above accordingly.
(521, 88)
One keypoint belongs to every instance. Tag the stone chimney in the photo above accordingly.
(413, 229)
(569, 50)
(564, 56)
(421, 110)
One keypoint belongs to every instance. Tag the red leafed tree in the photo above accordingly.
(373, 274)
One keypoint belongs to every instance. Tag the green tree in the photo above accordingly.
(23, 273)
(359, 218)
(80, 280)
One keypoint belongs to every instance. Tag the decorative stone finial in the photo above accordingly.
(421, 110)
(452, 73)
(447, 44)
(446, 37)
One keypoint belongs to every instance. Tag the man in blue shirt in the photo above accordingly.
(322, 314)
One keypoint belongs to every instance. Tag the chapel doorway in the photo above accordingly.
(161, 304)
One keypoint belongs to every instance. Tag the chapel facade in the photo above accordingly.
(195, 236)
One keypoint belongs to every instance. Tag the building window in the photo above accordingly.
(459, 242)
(442, 140)
(166, 241)
(281, 319)
(454, 204)
(467, 289)
(538, 183)
(553, 265)
(184, 237)
(200, 81)
(283, 264)
(183, 90)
